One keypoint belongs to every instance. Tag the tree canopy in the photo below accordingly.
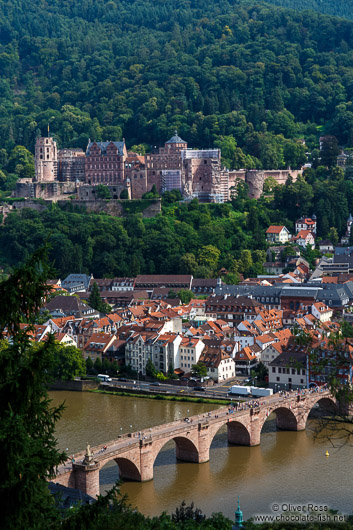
(250, 78)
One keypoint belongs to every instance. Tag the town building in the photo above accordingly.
(231, 309)
(304, 238)
(306, 223)
(289, 370)
(149, 282)
(277, 234)
(220, 365)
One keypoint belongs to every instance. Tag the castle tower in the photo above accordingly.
(255, 180)
(46, 160)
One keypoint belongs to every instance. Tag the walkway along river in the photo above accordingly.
(288, 467)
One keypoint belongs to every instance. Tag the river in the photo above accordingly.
(287, 468)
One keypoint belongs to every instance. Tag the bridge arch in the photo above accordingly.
(325, 403)
(126, 468)
(237, 433)
(185, 448)
(286, 419)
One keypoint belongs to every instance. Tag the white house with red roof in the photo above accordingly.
(304, 238)
(306, 223)
(220, 365)
(277, 234)
(246, 359)
(190, 350)
(321, 312)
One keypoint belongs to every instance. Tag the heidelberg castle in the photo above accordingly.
(197, 173)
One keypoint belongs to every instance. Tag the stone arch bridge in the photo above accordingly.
(135, 453)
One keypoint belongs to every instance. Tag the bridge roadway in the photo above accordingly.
(135, 453)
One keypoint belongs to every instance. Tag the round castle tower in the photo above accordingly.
(46, 160)
(255, 179)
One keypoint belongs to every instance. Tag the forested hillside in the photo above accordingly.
(187, 238)
(215, 70)
(337, 8)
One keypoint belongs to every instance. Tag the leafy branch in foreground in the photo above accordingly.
(331, 364)
(27, 420)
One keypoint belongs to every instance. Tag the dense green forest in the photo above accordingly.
(192, 238)
(249, 73)
(337, 8)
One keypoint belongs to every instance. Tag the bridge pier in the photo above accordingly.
(87, 478)
(203, 443)
(146, 461)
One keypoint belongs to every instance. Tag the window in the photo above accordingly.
(273, 369)
(277, 378)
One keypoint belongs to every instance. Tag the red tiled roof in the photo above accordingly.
(273, 229)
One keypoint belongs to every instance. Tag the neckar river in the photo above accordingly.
(287, 468)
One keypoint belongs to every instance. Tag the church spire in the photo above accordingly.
(238, 517)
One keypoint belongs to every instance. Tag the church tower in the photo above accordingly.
(46, 160)
(238, 518)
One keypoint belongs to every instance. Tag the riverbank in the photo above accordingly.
(162, 397)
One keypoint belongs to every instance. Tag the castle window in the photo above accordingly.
(41, 157)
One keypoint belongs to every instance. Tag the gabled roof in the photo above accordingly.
(303, 234)
(273, 229)
(246, 354)
(76, 279)
(103, 147)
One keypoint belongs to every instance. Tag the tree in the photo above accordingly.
(103, 192)
(27, 419)
(188, 264)
(89, 365)
(209, 256)
(329, 151)
(245, 260)
(199, 369)
(269, 185)
(186, 513)
(151, 369)
(124, 194)
(185, 296)
(232, 278)
(95, 300)
(333, 235)
(68, 363)
(98, 365)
